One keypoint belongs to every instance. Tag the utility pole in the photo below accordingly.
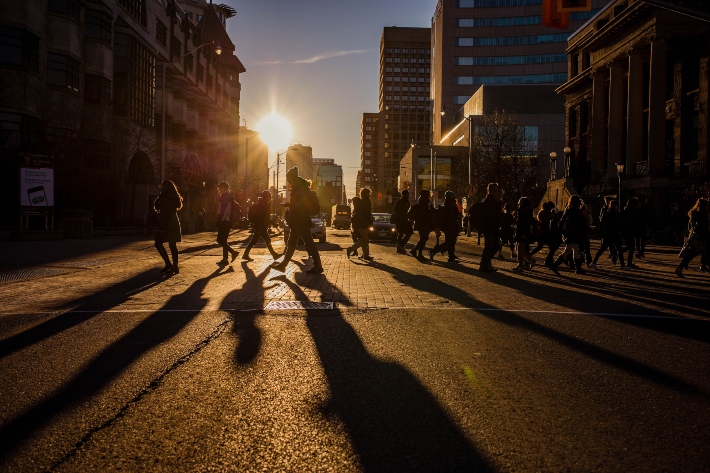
(278, 163)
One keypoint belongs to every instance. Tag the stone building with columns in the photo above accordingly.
(637, 94)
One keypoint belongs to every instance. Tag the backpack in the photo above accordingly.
(475, 215)
(313, 203)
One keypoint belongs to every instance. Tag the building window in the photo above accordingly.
(135, 8)
(97, 89)
(19, 48)
(175, 48)
(97, 25)
(134, 76)
(526, 79)
(161, 33)
(495, 3)
(200, 75)
(509, 60)
(63, 71)
(71, 8)
(19, 131)
(189, 62)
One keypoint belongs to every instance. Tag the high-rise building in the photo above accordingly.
(329, 180)
(405, 112)
(477, 42)
(369, 150)
(301, 156)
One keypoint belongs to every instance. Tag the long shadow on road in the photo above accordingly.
(156, 329)
(394, 422)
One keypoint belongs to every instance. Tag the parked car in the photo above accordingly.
(317, 230)
(382, 228)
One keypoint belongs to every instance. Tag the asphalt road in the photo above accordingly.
(519, 373)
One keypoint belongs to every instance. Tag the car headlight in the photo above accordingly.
(372, 229)
(393, 229)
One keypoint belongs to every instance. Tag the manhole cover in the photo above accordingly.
(30, 274)
(298, 305)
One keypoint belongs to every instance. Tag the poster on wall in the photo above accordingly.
(37, 187)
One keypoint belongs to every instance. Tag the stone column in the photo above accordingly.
(598, 141)
(616, 119)
(634, 114)
(703, 125)
(657, 108)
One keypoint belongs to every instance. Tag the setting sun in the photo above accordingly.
(275, 131)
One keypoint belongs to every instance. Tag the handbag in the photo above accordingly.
(693, 243)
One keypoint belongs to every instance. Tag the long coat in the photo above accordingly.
(169, 220)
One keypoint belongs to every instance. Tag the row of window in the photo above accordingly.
(397, 88)
(495, 3)
(510, 60)
(405, 98)
(522, 79)
(406, 51)
(517, 20)
(413, 70)
(513, 40)
(407, 79)
(403, 118)
(411, 108)
(19, 48)
(404, 60)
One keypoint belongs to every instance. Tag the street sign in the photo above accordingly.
(471, 189)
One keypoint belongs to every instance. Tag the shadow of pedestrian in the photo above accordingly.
(156, 329)
(83, 310)
(394, 422)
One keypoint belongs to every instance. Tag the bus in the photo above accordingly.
(341, 216)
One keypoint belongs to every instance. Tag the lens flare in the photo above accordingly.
(275, 131)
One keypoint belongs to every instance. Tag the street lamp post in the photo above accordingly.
(553, 166)
(470, 136)
(246, 165)
(278, 162)
(166, 64)
(568, 152)
(620, 170)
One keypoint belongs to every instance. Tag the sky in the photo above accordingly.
(316, 64)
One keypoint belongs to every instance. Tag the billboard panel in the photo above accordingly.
(37, 187)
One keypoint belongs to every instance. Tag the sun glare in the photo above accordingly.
(275, 131)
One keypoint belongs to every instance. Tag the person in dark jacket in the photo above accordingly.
(446, 220)
(167, 205)
(361, 222)
(525, 229)
(422, 213)
(698, 226)
(610, 222)
(629, 232)
(404, 226)
(585, 244)
(491, 223)
(260, 224)
(544, 216)
(299, 222)
(507, 230)
(573, 226)
(224, 222)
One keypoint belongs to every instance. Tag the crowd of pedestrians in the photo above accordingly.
(525, 234)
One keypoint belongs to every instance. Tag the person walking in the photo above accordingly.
(697, 242)
(573, 225)
(613, 249)
(507, 231)
(491, 223)
(227, 214)
(260, 219)
(544, 216)
(446, 220)
(167, 205)
(610, 222)
(403, 226)
(525, 229)
(201, 219)
(304, 203)
(361, 222)
(422, 214)
(629, 232)
(585, 244)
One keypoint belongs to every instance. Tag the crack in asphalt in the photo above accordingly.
(152, 386)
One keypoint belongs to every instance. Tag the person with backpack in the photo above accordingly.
(572, 225)
(697, 242)
(361, 223)
(610, 223)
(258, 215)
(525, 230)
(489, 221)
(399, 218)
(303, 204)
(422, 214)
(226, 216)
(446, 221)
(167, 205)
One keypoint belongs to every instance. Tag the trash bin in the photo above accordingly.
(76, 223)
